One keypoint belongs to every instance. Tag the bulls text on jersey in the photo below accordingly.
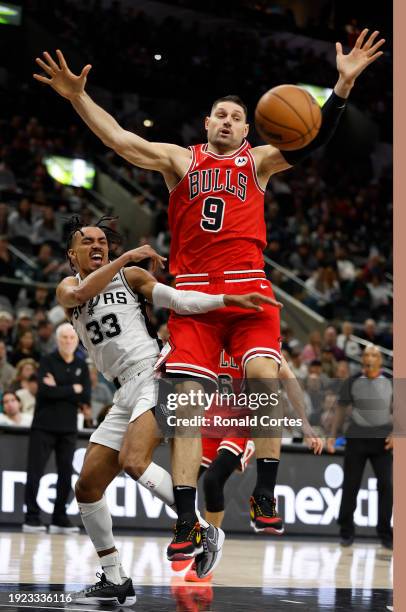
(215, 180)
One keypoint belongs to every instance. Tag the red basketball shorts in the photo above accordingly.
(196, 341)
(237, 446)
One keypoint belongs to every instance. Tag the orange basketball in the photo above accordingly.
(287, 117)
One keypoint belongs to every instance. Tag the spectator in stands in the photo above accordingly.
(330, 341)
(299, 369)
(101, 394)
(47, 228)
(47, 265)
(380, 294)
(28, 393)
(350, 348)
(325, 282)
(12, 414)
(24, 370)
(46, 342)
(370, 332)
(328, 361)
(345, 267)
(42, 300)
(7, 371)
(64, 387)
(316, 385)
(312, 350)
(357, 296)
(21, 221)
(6, 328)
(24, 322)
(25, 348)
(303, 261)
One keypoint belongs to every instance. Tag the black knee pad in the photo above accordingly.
(216, 477)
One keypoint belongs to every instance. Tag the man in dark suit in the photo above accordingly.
(64, 388)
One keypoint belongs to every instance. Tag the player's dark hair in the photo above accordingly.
(232, 98)
(75, 224)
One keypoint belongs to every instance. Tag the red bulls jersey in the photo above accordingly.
(216, 214)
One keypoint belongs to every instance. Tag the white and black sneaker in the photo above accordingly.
(62, 525)
(106, 592)
(33, 525)
(212, 540)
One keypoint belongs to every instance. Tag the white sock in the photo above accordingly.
(111, 567)
(159, 482)
(97, 521)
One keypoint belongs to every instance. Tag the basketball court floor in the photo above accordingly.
(256, 573)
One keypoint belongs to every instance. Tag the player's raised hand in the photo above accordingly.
(250, 301)
(147, 252)
(364, 52)
(59, 77)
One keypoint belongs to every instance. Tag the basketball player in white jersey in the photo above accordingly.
(105, 303)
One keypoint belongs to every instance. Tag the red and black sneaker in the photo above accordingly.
(187, 541)
(264, 516)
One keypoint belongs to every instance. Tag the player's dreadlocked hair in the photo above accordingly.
(75, 224)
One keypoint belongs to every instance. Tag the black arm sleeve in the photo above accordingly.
(331, 113)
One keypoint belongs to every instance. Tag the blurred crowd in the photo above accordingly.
(328, 221)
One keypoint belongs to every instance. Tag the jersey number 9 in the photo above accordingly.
(212, 214)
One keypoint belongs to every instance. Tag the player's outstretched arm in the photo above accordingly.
(163, 157)
(270, 160)
(71, 293)
(190, 302)
(295, 395)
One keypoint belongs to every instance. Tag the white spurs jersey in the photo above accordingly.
(114, 328)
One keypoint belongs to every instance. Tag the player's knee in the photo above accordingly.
(213, 492)
(135, 464)
(87, 491)
(262, 368)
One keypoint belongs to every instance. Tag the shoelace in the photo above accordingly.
(99, 585)
(268, 506)
(183, 531)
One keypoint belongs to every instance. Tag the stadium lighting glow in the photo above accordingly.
(148, 122)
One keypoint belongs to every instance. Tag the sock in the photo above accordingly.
(97, 521)
(185, 500)
(123, 574)
(111, 567)
(159, 481)
(267, 470)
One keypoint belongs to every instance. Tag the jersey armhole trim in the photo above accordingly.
(254, 171)
(190, 168)
(127, 285)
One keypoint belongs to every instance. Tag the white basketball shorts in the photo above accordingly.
(134, 398)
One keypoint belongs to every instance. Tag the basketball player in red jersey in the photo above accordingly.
(222, 456)
(218, 234)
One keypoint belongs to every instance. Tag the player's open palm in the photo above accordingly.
(60, 77)
(250, 301)
(364, 52)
